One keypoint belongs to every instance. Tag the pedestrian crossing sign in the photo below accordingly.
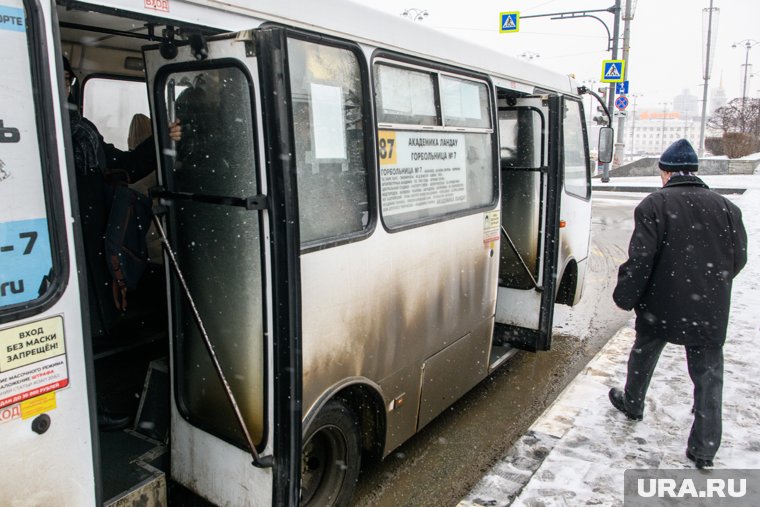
(510, 22)
(613, 71)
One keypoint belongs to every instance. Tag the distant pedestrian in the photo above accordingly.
(687, 246)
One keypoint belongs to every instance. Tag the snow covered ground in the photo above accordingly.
(577, 451)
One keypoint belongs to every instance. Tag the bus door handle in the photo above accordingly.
(254, 202)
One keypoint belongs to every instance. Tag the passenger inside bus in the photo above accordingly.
(93, 158)
(140, 129)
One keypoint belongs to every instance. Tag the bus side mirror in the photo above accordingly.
(606, 144)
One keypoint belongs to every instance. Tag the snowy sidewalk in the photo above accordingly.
(577, 451)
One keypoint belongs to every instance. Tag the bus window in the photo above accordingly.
(465, 104)
(427, 173)
(219, 249)
(405, 96)
(327, 98)
(520, 138)
(577, 172)
(26, 264)
(111, 103)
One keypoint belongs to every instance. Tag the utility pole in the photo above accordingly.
(611, 94)
(620, 144)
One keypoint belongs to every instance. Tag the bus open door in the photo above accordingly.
(232, 225)
(530, 130)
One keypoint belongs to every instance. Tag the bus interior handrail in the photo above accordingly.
(522, 261)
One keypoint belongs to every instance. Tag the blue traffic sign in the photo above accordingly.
(621, 102)
(613, 71)
(510, 22)
(621, 88)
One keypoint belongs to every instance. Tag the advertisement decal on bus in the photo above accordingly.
(413, 161)
(25, 253)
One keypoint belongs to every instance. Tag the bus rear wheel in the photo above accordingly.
(331, 457)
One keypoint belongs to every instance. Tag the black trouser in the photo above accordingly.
(706, 372)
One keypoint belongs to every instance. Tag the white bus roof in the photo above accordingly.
(353, 21)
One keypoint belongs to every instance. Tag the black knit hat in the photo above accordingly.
(679, 156)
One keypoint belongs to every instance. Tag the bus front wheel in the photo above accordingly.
(330, 458)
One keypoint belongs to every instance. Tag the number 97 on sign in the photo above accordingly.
(386, 147)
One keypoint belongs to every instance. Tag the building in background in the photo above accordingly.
(717, 97)
(650, 132)
(686, 104)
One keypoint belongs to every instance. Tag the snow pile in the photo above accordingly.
(577, 451)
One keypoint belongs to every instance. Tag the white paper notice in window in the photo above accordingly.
(327, 121)
(471, 101)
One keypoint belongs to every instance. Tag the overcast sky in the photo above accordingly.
(666, 40)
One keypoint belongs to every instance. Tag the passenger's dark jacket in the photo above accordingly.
(92, 157)
(687, 246)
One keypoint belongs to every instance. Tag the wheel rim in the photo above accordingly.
(323, 466)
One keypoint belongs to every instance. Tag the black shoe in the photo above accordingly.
(617, 398)
(112, 422)
(699, 462)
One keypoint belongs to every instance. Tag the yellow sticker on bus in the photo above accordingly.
(38, 405)
(386, 147)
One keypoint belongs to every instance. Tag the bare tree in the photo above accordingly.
(739, 115)
(739, 121)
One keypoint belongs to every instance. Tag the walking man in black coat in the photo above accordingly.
(687, 246)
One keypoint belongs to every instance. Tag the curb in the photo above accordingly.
(507, 478)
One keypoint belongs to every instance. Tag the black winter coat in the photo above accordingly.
(687, 246)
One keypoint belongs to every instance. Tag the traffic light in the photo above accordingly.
(602, 118)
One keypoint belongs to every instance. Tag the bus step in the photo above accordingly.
(153, 412)
(151, 492)
(499, 355)
(133, 470)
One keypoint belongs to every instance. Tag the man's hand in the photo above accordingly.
(175, 130)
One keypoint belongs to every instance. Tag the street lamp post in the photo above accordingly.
(633, 123)
(662, 128)
(748, 44)
(711, 12)
(591, 85)
(415, 14)
(529, 55)
(612, 45)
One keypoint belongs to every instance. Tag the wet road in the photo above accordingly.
(438, 466)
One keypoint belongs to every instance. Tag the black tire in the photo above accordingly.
(330, 458)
